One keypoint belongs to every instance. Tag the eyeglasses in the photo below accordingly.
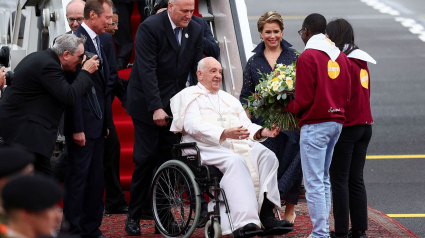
(300, 32)
(79, 20)
(115, 24)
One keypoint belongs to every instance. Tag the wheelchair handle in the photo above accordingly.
(168, 118)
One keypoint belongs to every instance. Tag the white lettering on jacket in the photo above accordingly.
(334, 110)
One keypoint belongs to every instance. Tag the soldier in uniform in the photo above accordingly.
(35, 215)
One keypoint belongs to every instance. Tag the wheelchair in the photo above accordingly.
(177, 188)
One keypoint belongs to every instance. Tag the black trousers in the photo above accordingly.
(83, 200)
(114, 196)
(152, 147)
(123, 38)
(42, 165)
(346, 175)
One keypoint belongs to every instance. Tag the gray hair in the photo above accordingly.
(67, 42)
(201, 63)
(72, 1)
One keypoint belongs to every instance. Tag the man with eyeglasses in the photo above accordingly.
(31, 107)
(322, 93)
(75, 14)
(114, 26)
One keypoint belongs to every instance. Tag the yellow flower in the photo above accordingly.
(281, 77)
(281, 72)
(284, 66)
(276, 69)
(275, 79)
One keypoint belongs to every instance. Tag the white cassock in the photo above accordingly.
(249, 168)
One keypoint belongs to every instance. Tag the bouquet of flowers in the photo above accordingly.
(271, 96)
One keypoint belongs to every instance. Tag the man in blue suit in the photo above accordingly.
(168, 47)
(85, 131)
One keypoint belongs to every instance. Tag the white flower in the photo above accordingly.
(281, 77)
(290, 86)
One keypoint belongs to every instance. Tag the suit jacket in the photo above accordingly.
(32, 107)
(116, 86)
(210, 47)
(80, 117)
(161, 67)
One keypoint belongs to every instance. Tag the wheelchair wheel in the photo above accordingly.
(175, 201)
(212, 231)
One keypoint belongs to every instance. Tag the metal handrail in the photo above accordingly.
(230, 67)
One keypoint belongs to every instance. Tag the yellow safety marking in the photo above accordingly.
(294, 17)
(395, 157)
(406, 215)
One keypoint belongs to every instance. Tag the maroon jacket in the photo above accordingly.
(358, 110)
(321, 94)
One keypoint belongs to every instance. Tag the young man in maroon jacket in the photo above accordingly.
(322, 93)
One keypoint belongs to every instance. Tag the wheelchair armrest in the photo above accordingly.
(185, 145)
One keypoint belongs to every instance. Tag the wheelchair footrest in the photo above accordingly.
(277, 231)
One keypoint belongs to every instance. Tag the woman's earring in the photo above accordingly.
(261, 38)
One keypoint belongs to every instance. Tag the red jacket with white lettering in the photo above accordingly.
(358, 110)
(322, 88)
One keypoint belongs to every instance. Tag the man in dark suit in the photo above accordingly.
(124, 39)
(85, 131)
(169, 46)
(210, 47)
(32, 106)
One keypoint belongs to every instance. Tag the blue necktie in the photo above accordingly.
(98, 46)
(176, 33)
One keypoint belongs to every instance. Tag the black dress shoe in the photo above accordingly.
(357, 234)
(121, 64)
(120, 210)
(132, 227)
(272, 222)
(332, 234)
(241, 231)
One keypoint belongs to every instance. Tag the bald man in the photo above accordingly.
(75, 14)
(168, 47)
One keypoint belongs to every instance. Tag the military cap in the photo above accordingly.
(32, 193)
(13, 159)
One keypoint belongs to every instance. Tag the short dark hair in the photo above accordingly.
(115, 11)
(341, 33)
(315, 23)
(96, 6)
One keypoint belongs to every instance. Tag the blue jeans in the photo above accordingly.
(317, 144)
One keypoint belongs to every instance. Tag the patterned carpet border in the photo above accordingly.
(380, 225)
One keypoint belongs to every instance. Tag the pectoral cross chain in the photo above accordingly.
(221, 119)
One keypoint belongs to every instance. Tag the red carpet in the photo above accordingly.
(380, 225)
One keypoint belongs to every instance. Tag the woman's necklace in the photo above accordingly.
(220, 119)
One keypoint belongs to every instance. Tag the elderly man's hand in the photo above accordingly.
(270, 133)
(238, 133)
(90, 65)
(2, 77)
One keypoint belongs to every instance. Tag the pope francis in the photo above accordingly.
(228, 140)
